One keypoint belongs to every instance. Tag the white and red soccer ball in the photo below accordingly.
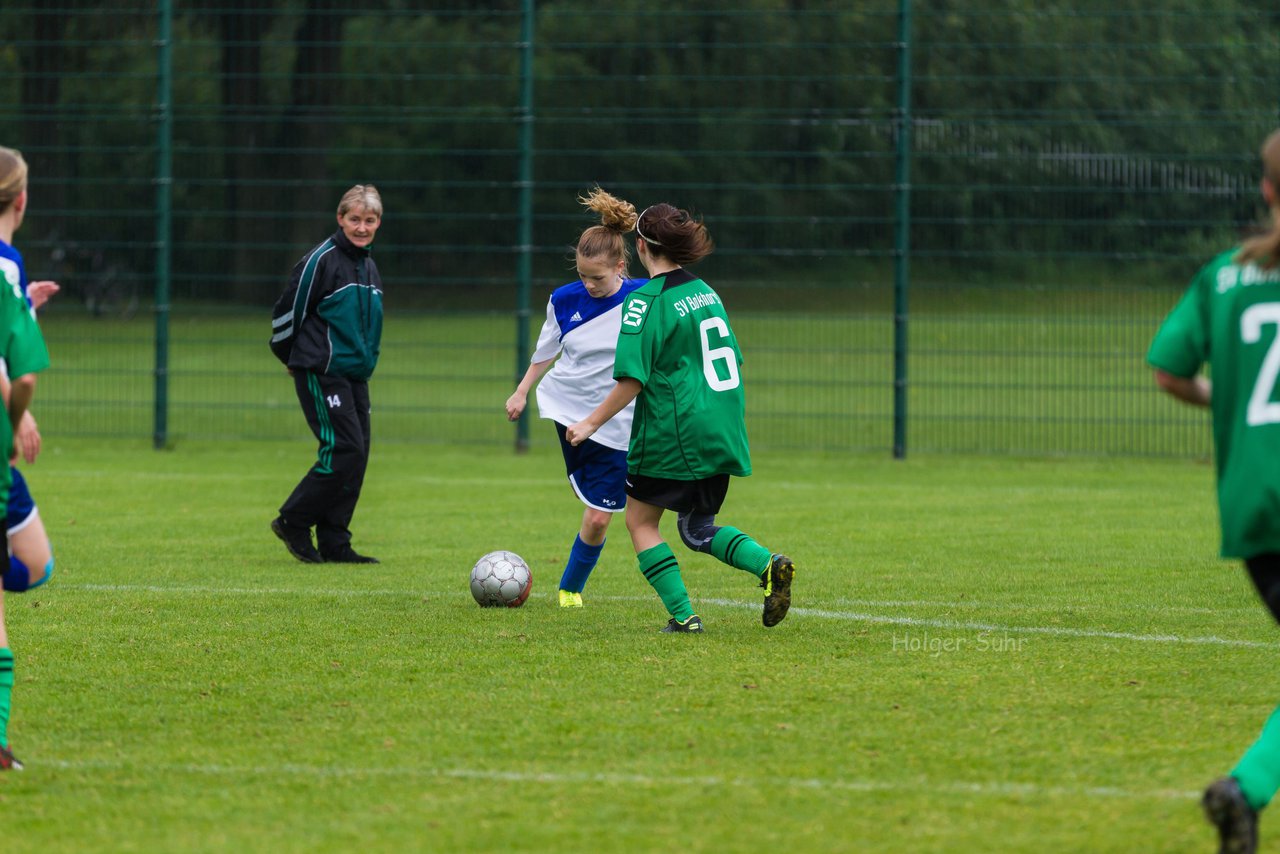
(501, 579)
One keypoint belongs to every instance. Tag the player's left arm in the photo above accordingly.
(21, 390)
(1197, 390)
(26, 434)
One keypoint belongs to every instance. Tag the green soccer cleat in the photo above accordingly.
(569, 599)
(777, 589)
(1237, 822)
(693, 625)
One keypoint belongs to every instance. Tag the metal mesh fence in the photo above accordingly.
(1042, 178)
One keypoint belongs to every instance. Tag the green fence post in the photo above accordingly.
(164, 189)
(525, 257)
(901, 230)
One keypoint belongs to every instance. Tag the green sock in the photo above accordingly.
(735, 548)
(1258, 771)
(6, 693)
(661, 570)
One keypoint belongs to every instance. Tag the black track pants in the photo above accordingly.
(337, 411)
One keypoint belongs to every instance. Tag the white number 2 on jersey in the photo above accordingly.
(1261, 409)
(711, 355)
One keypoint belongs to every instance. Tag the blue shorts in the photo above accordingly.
(22, 507)
(597, 474)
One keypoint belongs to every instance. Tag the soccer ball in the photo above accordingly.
(501, 578)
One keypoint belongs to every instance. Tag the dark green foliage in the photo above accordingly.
(1108, 132)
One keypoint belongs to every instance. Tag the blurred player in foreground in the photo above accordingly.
(678, 359)
(23, 350)
(581, 329)
(30, 553)
(1230, 318)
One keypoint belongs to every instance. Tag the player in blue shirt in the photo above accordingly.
(580, 336)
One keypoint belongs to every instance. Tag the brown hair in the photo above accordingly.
(13, 176)
(617, 217)
(1265, 247)
(361, 195)
(674, 233)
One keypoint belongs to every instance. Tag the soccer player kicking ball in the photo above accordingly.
(1230, 316)
(579, 336)
(678, 359)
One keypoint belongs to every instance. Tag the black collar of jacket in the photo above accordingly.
(348, 247)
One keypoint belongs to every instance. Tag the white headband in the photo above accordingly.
(649, 240)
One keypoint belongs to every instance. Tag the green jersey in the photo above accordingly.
(1230, 317)
(689, 419)
(23, 350)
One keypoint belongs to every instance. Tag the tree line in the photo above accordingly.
(1035, 128)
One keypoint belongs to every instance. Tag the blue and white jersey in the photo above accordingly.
(583, 330)
(12, 272)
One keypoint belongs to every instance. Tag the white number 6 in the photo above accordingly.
(711, 355)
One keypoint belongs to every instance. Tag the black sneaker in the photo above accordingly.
(692, 625)
(346, 554)
(296, 540)
(1237, 822)
(9, 762)
(777, 589)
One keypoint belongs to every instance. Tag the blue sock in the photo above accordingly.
(17, 578)
(582, 559)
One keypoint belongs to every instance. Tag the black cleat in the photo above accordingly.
(777, 589)
(9, 762)
(693, 625)
(296, 540)
(1237, 822)
(346, 554)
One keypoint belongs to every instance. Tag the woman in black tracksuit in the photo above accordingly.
(327, 329)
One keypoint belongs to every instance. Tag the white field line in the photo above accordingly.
(850, 616)
(972, 626)
(320, 772)
(966, 604)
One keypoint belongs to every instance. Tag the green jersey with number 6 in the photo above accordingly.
(689, 419)
(1230, 317)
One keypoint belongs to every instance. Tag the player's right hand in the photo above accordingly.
(516, 404)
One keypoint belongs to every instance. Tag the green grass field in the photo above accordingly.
(984, 654)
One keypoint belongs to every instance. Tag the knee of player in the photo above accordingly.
(595, 523)
(697, 531)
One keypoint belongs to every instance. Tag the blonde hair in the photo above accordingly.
(361, 196)
(1265, 247)
(617, 217)
(13, 176)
